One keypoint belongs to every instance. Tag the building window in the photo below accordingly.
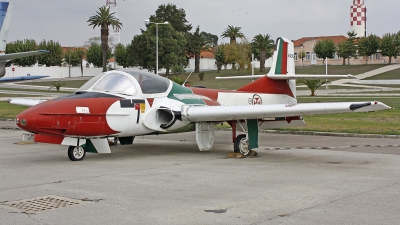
(308, 56)
(371, 57)
(295, 56)
(377, 56)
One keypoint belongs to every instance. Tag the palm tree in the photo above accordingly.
(80, 53)
(266, 45)
(232, 33)
(103, 19)
(313, 85)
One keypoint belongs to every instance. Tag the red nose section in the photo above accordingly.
(83, 117)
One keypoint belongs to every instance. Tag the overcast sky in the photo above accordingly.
(66, 20)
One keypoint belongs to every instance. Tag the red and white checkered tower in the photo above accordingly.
(358, 18)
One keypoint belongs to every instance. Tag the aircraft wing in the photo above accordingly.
(288, 77)
(20, 78)
(225, 113)
(21, 54)
(24, 101)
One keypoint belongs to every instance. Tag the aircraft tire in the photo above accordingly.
(241, 144)
(76, 153)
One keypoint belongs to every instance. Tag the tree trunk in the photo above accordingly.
(344, 61)
(262, 61)
(104, 47)
(390, 59)
(81, 68)
(197, 63)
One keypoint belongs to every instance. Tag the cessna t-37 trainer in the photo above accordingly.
(127, 103)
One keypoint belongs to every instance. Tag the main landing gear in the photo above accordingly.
(76, 153)
(241, 145)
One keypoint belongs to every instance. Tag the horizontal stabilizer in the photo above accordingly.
(288, 77)
(308, 77)
(21, 54)
(226, 113)
(247, 77)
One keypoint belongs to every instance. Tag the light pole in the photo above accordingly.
(301, 55)
(69, 62)
(148, 21)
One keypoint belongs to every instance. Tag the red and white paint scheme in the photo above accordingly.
(126, 103)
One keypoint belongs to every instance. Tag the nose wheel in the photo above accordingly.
(76, 153)
(241, 144)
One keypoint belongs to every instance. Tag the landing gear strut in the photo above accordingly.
(76, 153)
(241, 144)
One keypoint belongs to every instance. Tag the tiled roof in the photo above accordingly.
(206, 54)
(336, 39)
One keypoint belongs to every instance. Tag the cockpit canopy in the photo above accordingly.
(120, 82)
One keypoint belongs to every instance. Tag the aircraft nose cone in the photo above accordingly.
(25, 121)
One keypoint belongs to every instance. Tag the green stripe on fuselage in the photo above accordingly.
(178, 89)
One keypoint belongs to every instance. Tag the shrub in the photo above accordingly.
(177, 70)
(58, 86)
(201, 75)
(219, 66)
(177, 80)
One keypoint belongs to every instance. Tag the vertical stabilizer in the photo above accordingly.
(283, 58)
(282, 64)
(5, 18)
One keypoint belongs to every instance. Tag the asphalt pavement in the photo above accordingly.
(296, 179)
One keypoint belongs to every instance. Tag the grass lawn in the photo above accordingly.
(332, 87)
(68, 83)
(36, 90)
(381, 85)
(338, 70)
(9, 111)
(390, 75)
(381, 122)
(210, 82)
(16, 95)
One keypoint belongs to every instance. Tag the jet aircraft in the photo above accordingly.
(126, 103)
(5, 17)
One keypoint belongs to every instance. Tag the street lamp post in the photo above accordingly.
(148, 21)
(69, 62)
(301, 55)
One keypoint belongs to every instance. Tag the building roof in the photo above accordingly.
(207, 55)
(336, 39)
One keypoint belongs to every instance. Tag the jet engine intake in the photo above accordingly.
(167, 117)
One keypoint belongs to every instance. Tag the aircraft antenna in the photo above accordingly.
(113, 37)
